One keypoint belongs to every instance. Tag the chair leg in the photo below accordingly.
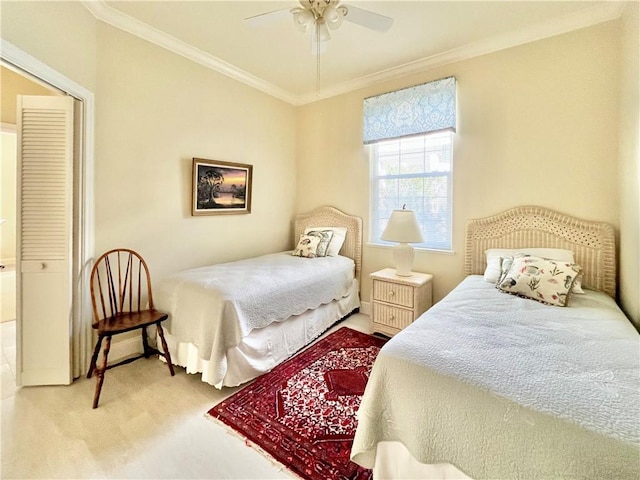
(101, 371)
(94, 358)
(145, 342)
(167, 355)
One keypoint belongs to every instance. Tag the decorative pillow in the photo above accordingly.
(505, 265)
(307, 246)
(577, 285)
(541, 279)
(325, 237)
(494, 256)
(339, 235)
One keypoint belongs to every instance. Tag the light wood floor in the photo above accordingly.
(148, 425)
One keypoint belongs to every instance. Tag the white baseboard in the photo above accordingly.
(365, 307)
(125, 348)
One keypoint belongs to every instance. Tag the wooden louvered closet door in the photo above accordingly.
(45, 206)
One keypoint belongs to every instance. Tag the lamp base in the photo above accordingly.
(403, 259)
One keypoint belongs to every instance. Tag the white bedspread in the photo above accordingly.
(215, 307)
(505, 387)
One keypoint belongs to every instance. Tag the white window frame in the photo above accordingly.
(378, 213)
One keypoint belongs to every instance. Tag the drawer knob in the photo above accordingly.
(392, 293)
(392, 317)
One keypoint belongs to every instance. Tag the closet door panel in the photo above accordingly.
(45, 236)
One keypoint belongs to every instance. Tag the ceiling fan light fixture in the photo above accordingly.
(322, 32)
(333, 16)
(318, 16)
(302, 18)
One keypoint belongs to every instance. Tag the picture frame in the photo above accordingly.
(221, 188)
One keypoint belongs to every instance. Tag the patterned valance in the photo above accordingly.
(425, 108)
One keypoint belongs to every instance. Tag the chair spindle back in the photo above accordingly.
(120, 282)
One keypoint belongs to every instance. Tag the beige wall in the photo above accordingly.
(629, 286)
(8, 198)
(60, 34)
(13, 84)
(155, 112)
(538, 124)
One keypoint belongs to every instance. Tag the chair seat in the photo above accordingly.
(123, 322)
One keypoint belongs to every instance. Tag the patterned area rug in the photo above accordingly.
(303, 412)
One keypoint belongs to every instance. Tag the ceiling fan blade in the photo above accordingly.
(268, 18)
(368, 19)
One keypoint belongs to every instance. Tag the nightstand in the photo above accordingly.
(398, 301)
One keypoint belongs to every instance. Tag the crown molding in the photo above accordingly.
(584, 18)
(103, 12)
(557, 26)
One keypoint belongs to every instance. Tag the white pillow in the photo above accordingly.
(339, 235)
(494, 269)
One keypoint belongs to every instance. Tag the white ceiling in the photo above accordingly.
(277, 58)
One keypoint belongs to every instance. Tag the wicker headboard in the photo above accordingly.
(592, 243)
(332, 217)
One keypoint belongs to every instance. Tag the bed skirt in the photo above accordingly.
(394, 460)
(264, 348)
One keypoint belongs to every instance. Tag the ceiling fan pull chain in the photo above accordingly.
(317, 63)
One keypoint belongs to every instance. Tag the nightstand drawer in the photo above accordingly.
(392, 316)
(393, 293)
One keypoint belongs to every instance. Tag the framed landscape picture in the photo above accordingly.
(221, 187)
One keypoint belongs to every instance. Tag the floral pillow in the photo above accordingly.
(495, 256)
(307, 246)
(541, 279)
(325, 237)
(339, 236)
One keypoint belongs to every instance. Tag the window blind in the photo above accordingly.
(425, 108)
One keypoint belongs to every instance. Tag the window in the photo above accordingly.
(417, 172)
(411, 133)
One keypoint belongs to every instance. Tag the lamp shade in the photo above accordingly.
(403, 228)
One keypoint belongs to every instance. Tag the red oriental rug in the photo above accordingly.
(303, 412)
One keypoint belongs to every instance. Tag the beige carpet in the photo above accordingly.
(149, 425)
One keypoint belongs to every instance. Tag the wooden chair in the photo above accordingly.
(120, 288)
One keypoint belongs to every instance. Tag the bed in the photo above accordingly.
(491, 385)
(234, 321)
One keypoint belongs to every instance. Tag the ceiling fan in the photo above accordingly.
(318, 16)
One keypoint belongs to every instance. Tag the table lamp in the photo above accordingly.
(403, 228)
